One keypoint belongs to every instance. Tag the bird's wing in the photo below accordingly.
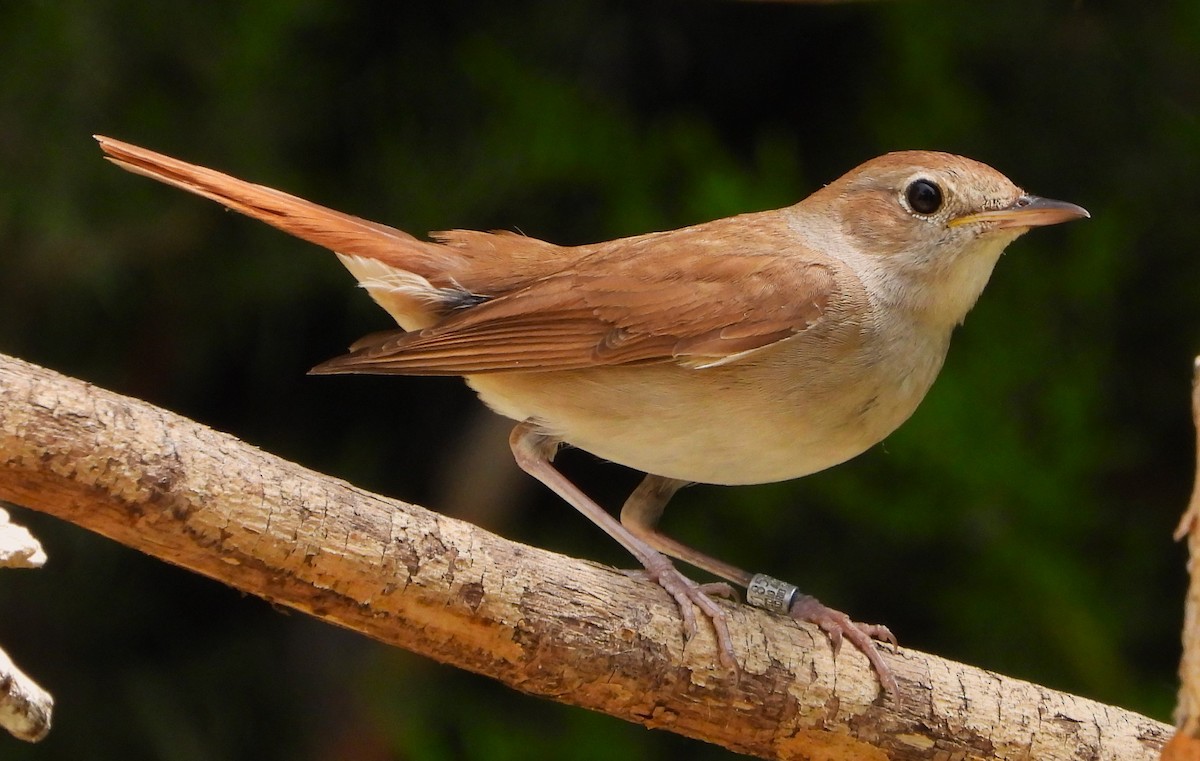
(699, 297)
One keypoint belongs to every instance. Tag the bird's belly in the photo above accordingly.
(724, 425)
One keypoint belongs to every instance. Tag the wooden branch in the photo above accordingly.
(1185, 744)
(544, 624)
(25, 708)
(18, 548)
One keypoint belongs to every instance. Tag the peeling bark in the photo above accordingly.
(18, 548)
(25, 708)
(548, 625)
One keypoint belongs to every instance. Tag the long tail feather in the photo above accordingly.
(343, 233)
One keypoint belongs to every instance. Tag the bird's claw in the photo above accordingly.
(838, 627)
(690, 596)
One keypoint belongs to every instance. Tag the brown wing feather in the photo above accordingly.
(697, 296)
(700, 295)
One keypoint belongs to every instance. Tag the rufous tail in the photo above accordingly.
(343, 233)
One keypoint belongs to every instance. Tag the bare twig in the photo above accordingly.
(25, 708)
(542, 623)
(18, 548)
(1185, 744)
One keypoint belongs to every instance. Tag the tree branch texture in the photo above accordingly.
(1185, 744)
(545, 624)
(25, 708)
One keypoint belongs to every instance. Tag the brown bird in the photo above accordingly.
(757, 348)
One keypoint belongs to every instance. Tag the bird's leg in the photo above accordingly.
(837, 625)
(641, 514)
(534, 452)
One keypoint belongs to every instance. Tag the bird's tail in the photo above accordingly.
(407, 276)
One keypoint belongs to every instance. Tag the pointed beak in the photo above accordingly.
(1027, 211)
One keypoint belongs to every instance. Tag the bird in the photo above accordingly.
(756, 348)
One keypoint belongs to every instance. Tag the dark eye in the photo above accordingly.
(924, 197)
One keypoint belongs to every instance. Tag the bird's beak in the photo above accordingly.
(1026, 211)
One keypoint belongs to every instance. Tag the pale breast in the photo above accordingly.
(798, 409)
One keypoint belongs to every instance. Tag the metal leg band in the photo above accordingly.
(771, 594)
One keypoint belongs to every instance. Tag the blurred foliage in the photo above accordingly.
(1020, 521)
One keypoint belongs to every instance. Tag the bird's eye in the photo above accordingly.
(923, 196)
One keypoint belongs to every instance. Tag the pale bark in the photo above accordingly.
(542, 623)
(1186, 742)
(25, 708)
(18, 548)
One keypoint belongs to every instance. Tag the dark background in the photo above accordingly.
(1020, 521)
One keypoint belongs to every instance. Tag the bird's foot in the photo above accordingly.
(691, 595)
(838, 626)
(711, 588)
(777, 596)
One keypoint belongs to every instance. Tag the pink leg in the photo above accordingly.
(641, 514)
(534, 451)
